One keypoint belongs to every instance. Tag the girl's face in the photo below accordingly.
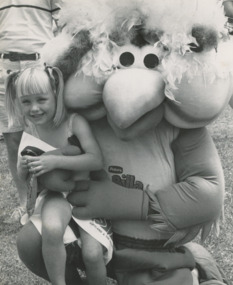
(39, 108)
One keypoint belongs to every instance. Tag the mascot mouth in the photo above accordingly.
(129, 94)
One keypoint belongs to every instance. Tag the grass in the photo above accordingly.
(13, 272)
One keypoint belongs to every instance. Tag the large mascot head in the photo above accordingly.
(144, 60)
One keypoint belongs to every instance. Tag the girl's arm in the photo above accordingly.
(90, 160)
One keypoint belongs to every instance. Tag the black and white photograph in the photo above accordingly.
(116, 134)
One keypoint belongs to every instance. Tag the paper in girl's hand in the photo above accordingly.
(31, 151)
(34, 143)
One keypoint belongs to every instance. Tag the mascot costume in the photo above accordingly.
(149, 76)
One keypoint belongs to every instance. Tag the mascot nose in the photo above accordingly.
(131, 93)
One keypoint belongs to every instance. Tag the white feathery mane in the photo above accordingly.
(175, 19)
(169, 16)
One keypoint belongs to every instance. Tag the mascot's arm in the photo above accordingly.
(196, 201)
(184, 208)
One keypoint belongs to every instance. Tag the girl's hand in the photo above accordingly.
(22, 167)
(39, 165)
(23, 163)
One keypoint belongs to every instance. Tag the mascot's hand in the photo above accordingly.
(93, 199)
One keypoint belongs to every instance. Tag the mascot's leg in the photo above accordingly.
(208, 270)
(153, 266)
(29, 246)
(152, 277)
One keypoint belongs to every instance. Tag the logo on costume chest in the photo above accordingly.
(115, 169)
(124, 180)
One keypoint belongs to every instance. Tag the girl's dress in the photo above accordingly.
(100, 229)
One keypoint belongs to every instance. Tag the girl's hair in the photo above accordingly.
(30, 81)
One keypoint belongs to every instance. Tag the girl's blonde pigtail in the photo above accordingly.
(57, 84)
(11, 100)
(59, 90)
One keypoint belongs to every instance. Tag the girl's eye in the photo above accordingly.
(42, 100)
(25, 102)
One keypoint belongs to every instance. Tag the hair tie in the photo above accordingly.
(52, 78)
(11, 79)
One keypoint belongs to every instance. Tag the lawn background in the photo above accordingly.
(13, 272)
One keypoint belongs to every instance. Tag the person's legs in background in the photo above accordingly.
(12, 141)
(3, 115)
(12, 138)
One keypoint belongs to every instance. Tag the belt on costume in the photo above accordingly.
(125, 241)
(16, 56)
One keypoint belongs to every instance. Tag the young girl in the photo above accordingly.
(35, 96)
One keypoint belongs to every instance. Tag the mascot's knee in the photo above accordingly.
(27, 240)
(22, 242)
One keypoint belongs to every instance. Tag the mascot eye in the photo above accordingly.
(126, 59)
(151, 60)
